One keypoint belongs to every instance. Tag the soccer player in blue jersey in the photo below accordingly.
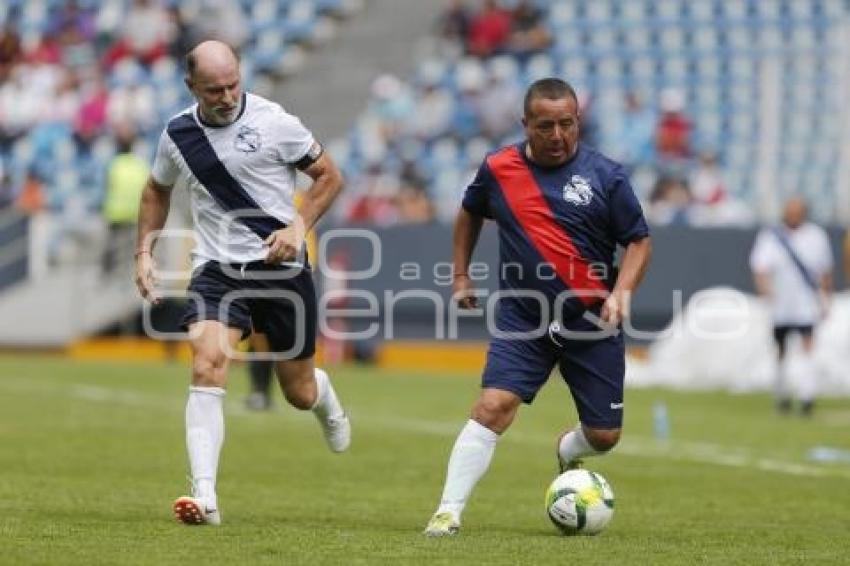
(561, 209)
(238, 155)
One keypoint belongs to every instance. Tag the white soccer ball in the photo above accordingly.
(580, 502)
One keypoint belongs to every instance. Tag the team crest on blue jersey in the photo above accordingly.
(248, 140)
(578, 191)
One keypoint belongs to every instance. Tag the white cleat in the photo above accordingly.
(192, 511)
(443, 524)
(337, 432)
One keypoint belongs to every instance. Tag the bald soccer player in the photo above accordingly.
(792, 267)
(238, 155)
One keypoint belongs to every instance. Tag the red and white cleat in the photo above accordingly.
(192, 511)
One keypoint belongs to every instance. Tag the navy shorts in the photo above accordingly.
(783, 331)
(278, 301)
(594, 370)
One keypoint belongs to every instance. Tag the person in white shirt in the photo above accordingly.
(792, 267)
(238, 155)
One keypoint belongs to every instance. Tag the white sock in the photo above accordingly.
(327, 404)
(574, 445)
(471, 456)
(807, 378)
(204, 437)
(781, 389)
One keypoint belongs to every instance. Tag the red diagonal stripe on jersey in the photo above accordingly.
(525, 199)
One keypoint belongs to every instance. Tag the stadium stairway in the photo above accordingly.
(332, 88)
(67, 305)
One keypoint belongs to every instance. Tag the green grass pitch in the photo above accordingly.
(92, 455)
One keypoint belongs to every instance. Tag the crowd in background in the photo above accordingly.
(70, 91)
(71, 100)
(467, 99)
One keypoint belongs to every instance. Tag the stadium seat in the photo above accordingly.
(632, 14)
(668, 11)
(475, 150)
(538, 67)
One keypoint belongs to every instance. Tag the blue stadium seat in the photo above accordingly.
(300, 20)
(538, 67)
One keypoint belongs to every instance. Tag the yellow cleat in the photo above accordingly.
(442, 525)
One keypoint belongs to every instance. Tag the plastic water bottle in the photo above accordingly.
(660, 421)
(828, 454)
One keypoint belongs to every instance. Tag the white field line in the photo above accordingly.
(633, 446)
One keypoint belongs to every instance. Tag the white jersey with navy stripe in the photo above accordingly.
(241, 177)
(793, 301)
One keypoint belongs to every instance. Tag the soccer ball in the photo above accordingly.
(580, 502)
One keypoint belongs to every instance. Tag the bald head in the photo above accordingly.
(209, 57)
(795, 212)
(212, 74)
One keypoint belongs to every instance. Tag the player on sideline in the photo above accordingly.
(561, 208)
(792, 269)
(238, 154)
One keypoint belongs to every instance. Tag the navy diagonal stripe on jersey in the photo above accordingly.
(201, 158)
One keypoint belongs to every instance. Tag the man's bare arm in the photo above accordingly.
(466, 231)
(153, 212)
(617, 306)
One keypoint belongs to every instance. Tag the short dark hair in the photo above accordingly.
(192, 59)
(550, 88)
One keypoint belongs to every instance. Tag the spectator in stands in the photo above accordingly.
(673, 134)
(453, 23)
(529, 34)
(30, 198)
(412, 202)
(489, 30)
(706, 181)
(132, 106)
(184, 37)
(373, 197)
(7, 190)
(65, 105)
(670, 202)
(10, 49)
(147, 31)
(126, 177)
(414, 206)
(74, 30)
(792, 267)
(71, 18)
(90, 121)
(27, 92)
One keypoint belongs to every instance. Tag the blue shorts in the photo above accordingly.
(594, 370)
(277, 301)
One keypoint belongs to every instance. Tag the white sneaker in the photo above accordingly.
(337, 432)
(193, 511)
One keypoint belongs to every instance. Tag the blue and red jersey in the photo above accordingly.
(558, 227)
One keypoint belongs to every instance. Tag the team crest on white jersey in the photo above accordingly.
(578, 191)
(248, 140)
